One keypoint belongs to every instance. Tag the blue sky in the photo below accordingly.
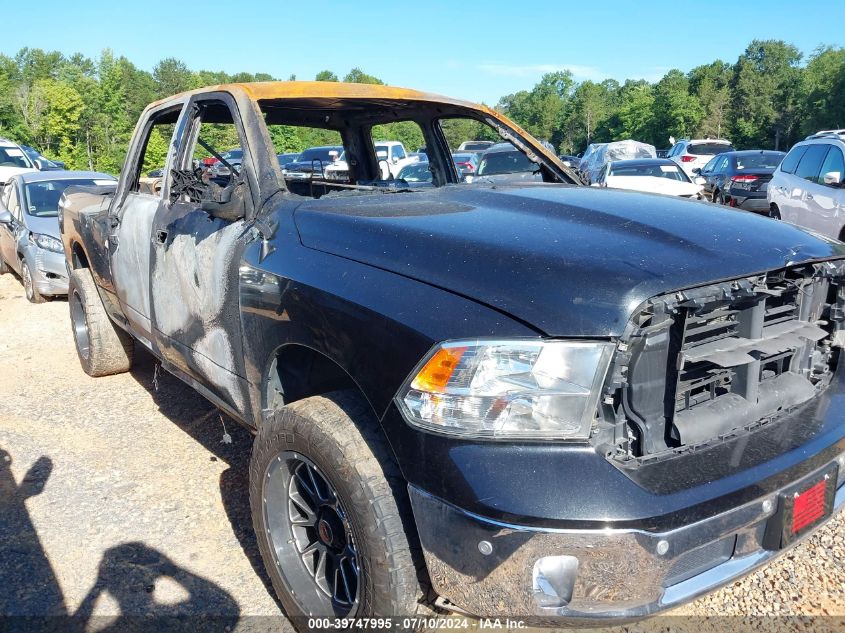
(473, 50)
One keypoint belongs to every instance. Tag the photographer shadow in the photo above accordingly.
(31, 598)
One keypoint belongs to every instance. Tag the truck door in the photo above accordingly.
(197, 252)
(133, 211)
(9, 232)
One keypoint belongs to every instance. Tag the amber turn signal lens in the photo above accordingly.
(435, 375)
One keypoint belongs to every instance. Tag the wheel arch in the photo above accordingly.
(295, 371)
(78, 256)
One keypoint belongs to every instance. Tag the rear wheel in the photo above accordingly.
(32, 294)
(102, 347)
(329, 508)
(774, 212)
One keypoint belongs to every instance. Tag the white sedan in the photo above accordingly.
(651, 175)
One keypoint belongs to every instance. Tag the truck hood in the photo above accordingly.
(570, 261)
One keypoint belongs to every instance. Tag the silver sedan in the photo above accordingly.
(30, 243)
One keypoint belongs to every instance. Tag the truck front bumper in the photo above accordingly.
(494, 569)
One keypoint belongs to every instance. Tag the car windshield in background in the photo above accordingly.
(323, 154)
(474, 147)
(416, 172)
(13, 157)
(672, 172)
(463, 158)
(704, 149)
(42, 198)
(764, 160)
(235, 154)
(505, 163)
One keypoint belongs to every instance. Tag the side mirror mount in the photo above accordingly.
(40, 164)
(833, 178)
(696, 170)
(230, 207)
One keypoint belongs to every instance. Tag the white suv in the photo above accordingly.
(808, 187)
(696, 153)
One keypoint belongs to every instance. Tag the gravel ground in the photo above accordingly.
(120, 499)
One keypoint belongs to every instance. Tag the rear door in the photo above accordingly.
(196, 255)
(825, 201)
(805, 187)
(133, 211)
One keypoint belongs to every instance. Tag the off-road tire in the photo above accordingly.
(339, 434)
(30, 291)
(109, 348)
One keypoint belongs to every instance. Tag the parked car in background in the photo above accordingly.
(312, 162)
(287, 159)
(570, 161)
(416, 173)
(505, 163)
(808, 187)
(587, 156)
(391, 156)
(690, 154)
(662, 153)
(421, 157)
(475, 146)
(740, 179)
(13, 160)
(30, 243)
(466, 162)
(41, 162)
(617, 150)
(650, 175)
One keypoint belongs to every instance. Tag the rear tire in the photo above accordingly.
(335, 440)
(102, 347)
(774, 212)
(32, 294)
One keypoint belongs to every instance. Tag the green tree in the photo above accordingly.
(676, 112)
(358, 76)
(326, 75)
(172, 76)
(824, 89)
(765, 88)
(711, 84)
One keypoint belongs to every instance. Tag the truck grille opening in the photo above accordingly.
(707, 363)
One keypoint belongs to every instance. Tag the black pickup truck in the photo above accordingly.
(532, 399)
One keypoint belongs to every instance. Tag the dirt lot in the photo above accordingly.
(119, 499)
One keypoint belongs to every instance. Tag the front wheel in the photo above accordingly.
(32, 294)
(331, 514)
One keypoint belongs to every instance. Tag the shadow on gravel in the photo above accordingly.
(31, 598)
(200, 419)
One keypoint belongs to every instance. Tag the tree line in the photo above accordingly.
(82, 111)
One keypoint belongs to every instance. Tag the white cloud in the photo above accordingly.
(536, 70)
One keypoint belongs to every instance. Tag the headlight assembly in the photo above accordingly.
(508, 389)
(47, 242)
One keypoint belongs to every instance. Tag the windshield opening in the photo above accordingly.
(709, 149)
(13, 157)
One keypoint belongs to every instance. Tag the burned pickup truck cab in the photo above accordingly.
(532, 399)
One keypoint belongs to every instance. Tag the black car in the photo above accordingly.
(287, 159)
(740, 179)
(312, 162)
